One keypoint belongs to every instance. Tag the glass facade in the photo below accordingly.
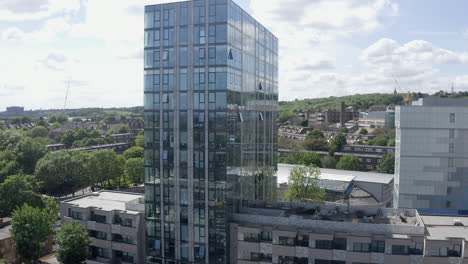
(432, 156)
(211, 93)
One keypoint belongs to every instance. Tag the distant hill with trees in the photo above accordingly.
(359, 101)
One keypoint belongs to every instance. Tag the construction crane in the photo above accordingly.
(407, 96)
(66, 96)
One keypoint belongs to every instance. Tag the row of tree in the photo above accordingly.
(347, 162)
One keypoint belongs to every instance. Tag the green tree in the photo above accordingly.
(329, 162)
(379, 141)
(26, 119)
(305, 123)
(134, 170)
(284, 116)
(343, 130)
(8, 164)
(288, 143)
(293, 157)
(39, 131)
(73, 243)
(3, 261)
(391, 142)
(63, 172)
(387, 165)
(349, 162)
(31, 227)
(103, 164)
(119, 129)
(338, 142)
(363, 132)
(134, 152)
(311, 159)
(303, 185)
(29, 153)
(17, 190)
(52, 207)
(80, 134)
(316, 144)
(140, 140)
(68, 138)
(314, 134)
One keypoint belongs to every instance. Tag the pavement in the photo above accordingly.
(50, 259)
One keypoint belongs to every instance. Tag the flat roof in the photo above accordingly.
(105, 200)
(5, 232)
(339, 175)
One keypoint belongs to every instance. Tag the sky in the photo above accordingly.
(327, 48)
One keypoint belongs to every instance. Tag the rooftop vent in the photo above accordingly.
(457, 222)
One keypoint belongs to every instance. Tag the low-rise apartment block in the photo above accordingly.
(115, 222)
(309, 234)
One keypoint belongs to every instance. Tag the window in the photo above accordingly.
(76, 215)
(452, 117)
(98, 234)
(302, 241)
(201, 52)
(451, 148)
(98, 218)
(361, 247)
(378, 246)
(165, 56)
(251, 237)
(324, 261)
(323, 244)
(165, 98)
(286, 241)
(125, 256)
(119, 238)
(202, 36)
(260, 116)
(452, 133)
(450, 162)
(262, 257)
(266, 236)
(123, 221)
(339, 243)
(241, 118)
(416, 249)
(100, 252)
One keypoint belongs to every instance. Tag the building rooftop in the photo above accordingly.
(337, 218)
(339, 175)
(107, 201)
(5, 231)
(437, 101)
(445, 227)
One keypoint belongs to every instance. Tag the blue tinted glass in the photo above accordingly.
(221, 33)
(183, 81)
(183, 36)
(149, 19)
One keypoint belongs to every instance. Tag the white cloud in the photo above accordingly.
(50, 31)
(20, 10)
(13, 34)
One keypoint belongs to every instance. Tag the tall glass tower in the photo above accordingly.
(211, 95)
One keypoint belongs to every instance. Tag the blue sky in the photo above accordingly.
(327, 48)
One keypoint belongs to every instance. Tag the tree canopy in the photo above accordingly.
(31, 228)
(311, 159)
(17, 190)
(134, 170)
(73, 243)
(303, 185)
(134, 152)
(338, 142)
(387, 165)
(349, 162)
(63, 172)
